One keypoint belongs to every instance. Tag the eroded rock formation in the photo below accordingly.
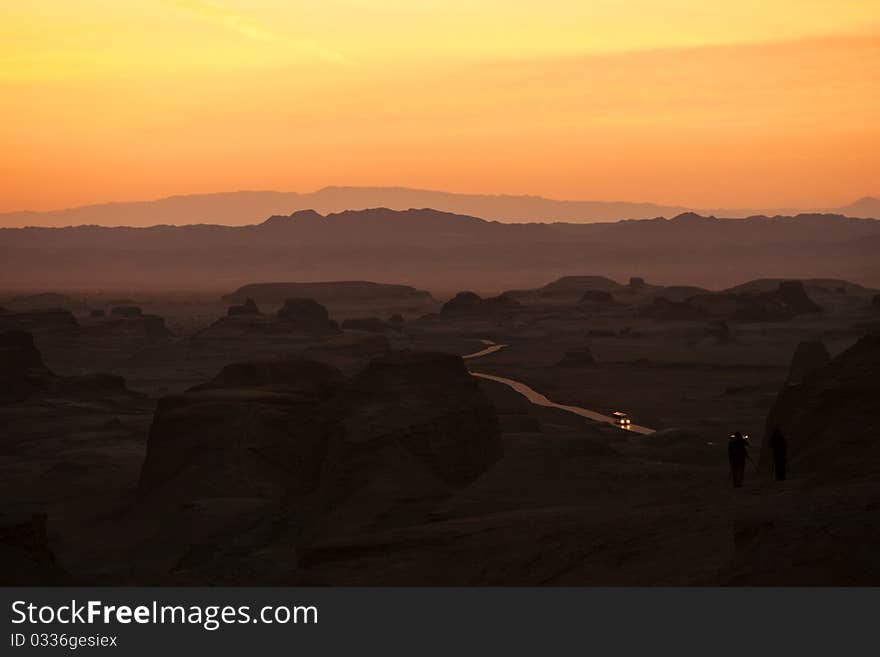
(255, 430)
(831, 418)
(307, 316)
(789, 300)
(299, 433)
(470, 304)
(808, 357)
(54, 321)
(249, 307)
(22, 371)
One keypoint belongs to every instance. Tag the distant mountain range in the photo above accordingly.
(441, 251)
(247, 207)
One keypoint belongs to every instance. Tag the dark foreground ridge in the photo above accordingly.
(824, 528)
(831, 408)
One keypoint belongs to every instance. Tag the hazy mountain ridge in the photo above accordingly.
(247, 207)
(434, 249)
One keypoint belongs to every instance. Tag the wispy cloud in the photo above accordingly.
(252, 29)
(223, 17)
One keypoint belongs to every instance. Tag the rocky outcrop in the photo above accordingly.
(332, 292)
(53, 321)
(463, 303)
(793, 297)
(22, 371)
(303, 319)
(470, 304)
(255, 430)
(503, 303)
(788, 301)
(307, 316)
(831, 419)
(236, 328)
(819, 527)
(568, 289)
(298, 433)
(808, 357)
(422, 407)
(249, 307)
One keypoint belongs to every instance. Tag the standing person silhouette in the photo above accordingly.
(780, 453)
(737, 452)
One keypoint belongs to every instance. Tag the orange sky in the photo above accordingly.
(691, 102)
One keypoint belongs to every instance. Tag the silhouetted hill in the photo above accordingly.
(864, 207)
(812, 286)
(441, 250)
(324, 292)
(246, 207)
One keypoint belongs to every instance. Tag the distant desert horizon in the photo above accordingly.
(246, 207)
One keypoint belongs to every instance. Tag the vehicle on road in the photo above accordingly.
(621, 419)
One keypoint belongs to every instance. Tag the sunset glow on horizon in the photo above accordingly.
(688, 102)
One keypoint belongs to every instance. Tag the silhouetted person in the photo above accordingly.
(780, 453)
(737, 452)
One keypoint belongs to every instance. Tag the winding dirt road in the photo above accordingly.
(538, 399)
